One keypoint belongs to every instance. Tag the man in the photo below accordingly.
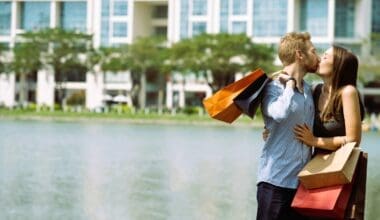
(287, 101)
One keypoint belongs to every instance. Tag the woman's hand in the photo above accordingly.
(265, 134)
(304, 134)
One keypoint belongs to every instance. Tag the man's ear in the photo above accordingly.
(299, 55)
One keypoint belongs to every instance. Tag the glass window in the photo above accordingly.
(344, 18)
(354, 48)
(105, 14)
(314, 17)
(35, 15)
(375, 44)
(160, 11)
(120, 7)
(5, 18)
(117, 77)
(224, 15)
(269, 18)
(199, 28)
(160, 31)
(239, 27)
(199, 7)
(321, 47)
(184, 33)
(73, 15)
(239, 7)
(376, 16)
(120, 29)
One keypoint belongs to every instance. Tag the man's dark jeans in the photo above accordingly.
(273, 203)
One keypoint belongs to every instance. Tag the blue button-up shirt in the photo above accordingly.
(283, 156)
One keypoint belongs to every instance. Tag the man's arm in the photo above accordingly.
(276, 104)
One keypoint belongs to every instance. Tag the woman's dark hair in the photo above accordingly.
(345, 72)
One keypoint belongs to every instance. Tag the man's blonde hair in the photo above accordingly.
(290, 43)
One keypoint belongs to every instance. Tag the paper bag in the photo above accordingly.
(221, 106)
(330, 169)
(327, 202)
(249, 100)
(356, 205)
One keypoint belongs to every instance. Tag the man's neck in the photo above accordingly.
(295, 71)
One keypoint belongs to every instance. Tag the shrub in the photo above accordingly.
(192, 110)
(77, 98)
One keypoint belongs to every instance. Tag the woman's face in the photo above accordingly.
(326, 64)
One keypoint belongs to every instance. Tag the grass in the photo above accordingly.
(138, 117)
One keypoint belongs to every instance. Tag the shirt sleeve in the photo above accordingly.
(276, 102)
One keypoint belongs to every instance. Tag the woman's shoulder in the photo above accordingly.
(349, 91)
(316, 88)
(315, 85)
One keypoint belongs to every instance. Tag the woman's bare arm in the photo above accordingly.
(352, 119)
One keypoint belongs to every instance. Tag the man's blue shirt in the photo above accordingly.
(283, 156)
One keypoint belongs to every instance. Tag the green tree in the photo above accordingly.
(64, 51)
(369, 69)
(222, 55)
(2, 62)
(109, 59)
(146, 55)
(112, 59)
(26, 60)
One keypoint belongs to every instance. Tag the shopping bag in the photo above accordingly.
(329, 169)
(221, 106)
(356, 204)
(344, 201)
(249, 100)
(327, 202)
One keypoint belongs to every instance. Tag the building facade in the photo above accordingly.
(114, 22)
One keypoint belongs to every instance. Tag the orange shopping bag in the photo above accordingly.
(221, 105)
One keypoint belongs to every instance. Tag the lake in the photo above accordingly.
(95, 170)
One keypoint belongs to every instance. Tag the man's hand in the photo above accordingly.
(286, 80)
(265, 134)
(283, 78)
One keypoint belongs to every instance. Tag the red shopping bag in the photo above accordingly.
(328, 202)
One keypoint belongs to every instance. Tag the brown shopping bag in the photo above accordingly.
(329, 169)
(221, 105)
(356, 205)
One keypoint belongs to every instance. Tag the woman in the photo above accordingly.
(338, 111)
(338, 108)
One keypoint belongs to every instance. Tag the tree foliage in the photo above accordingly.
(2, 65)
(147, 55)
(26, 58)
(369, 69)
(222, 55)
(63, 50)
(217, 55)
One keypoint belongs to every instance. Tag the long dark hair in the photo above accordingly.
(345, 72)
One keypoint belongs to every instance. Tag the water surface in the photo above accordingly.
(51, 170)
